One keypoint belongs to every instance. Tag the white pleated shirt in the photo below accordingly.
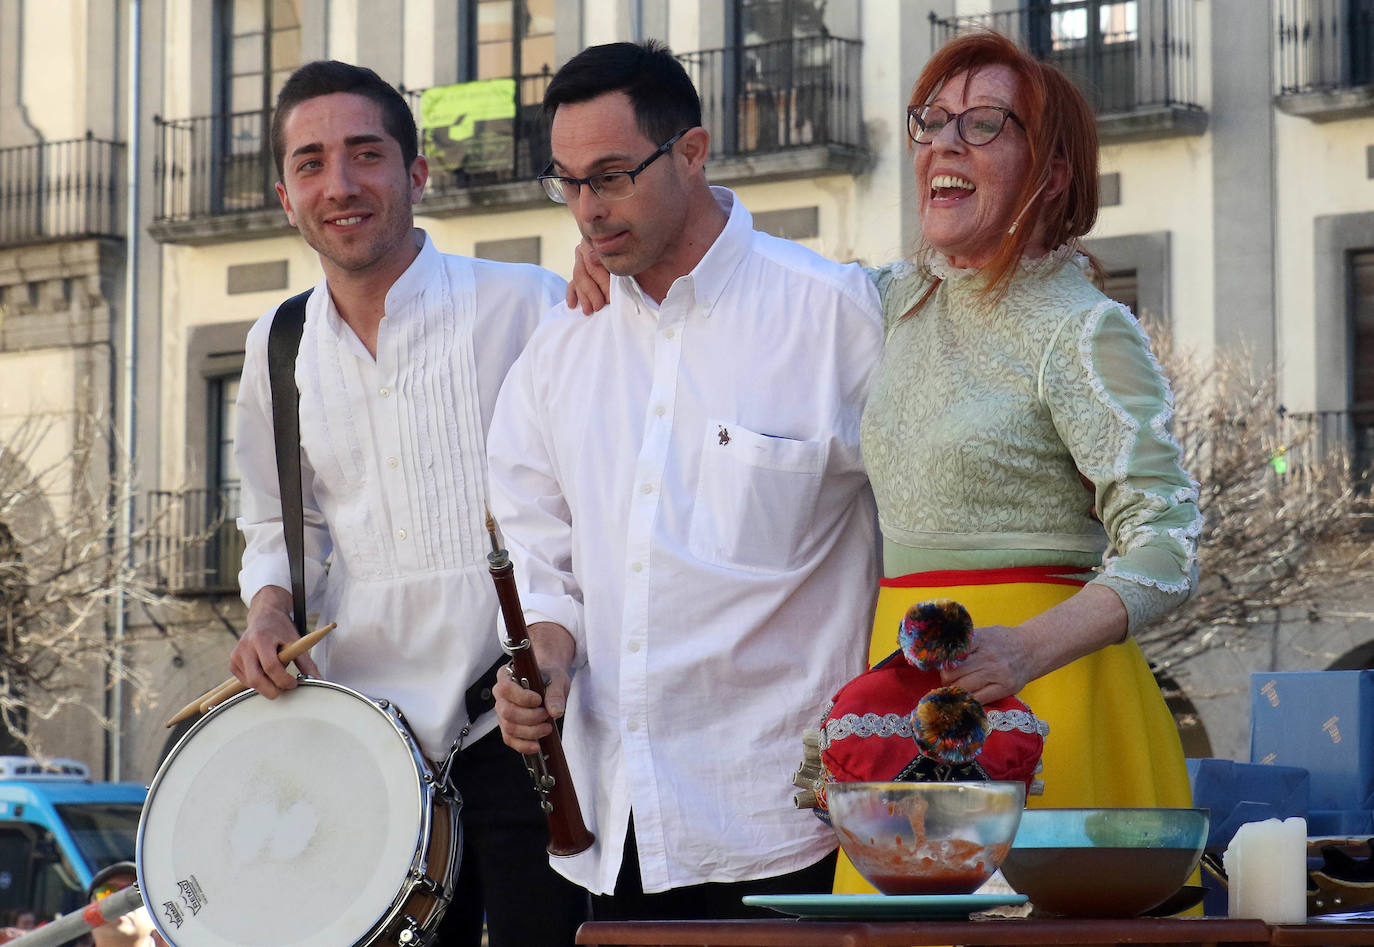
(394, 478)
(681, 488)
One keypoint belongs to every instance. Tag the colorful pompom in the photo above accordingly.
(950, 725)
(936, 636)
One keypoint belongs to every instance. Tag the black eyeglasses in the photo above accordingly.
(608, 185)
(976, 126)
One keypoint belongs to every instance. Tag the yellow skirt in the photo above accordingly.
(1112, 740)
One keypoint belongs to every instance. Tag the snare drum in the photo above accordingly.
(311, 820)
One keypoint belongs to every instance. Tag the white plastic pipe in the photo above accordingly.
(73, 925)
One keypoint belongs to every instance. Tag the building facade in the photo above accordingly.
(1237, 176)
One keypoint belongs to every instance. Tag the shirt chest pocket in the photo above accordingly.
(756, 499)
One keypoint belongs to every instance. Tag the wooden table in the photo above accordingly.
(1200, 932)
(1321, 935)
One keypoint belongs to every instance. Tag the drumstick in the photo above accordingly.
(234, 686)
(229, 688)
(218, 695)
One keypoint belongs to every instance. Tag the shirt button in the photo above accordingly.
(385, 392)
(669, 333)
(660, 410)
(632, 726)
(634, 647)
(647, 488)
(636, 567)
(401, 534)
(392, 462)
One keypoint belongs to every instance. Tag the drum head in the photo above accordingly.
(287, 821)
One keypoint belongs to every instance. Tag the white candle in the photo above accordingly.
(1266, 871)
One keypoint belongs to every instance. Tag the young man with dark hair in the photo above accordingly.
(402, 355)
(679, 482)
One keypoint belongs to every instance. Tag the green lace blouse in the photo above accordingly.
(983, 415)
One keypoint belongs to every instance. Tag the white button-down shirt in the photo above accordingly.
(394, 477)
(681, 488)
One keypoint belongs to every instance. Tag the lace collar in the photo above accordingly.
(938, 265)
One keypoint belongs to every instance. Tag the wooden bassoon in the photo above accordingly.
(568, 835)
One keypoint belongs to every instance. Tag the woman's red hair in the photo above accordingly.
(1059, 124)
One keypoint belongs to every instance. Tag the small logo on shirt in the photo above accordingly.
(723, 434)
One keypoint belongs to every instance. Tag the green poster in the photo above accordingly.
(469, 127)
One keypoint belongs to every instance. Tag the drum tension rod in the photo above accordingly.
(422, 880)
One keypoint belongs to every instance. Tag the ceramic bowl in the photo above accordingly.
(1104, 862)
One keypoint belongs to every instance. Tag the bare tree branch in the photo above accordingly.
(64, 562)
(1284, 511)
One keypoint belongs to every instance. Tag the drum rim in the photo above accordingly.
(423, 777)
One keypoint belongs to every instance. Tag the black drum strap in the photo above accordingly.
(283, 342)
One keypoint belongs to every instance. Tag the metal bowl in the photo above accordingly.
(1104, 862)
(926, 838)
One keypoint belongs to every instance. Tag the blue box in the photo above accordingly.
(1237, 793)
(1340, 823)
(1322, 721)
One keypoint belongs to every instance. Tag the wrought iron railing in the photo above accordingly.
(191, 543)
(1325, 45)
(214, 164)
(1124, 56)
(222, 164)
(1326, 436)
(755, 99)
(61, 189)
(776, 96)
(518, 151)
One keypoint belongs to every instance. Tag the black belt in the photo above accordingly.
(478, 698)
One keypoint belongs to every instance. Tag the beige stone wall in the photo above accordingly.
(1166, 186)
(54, 82)
(1322, 169)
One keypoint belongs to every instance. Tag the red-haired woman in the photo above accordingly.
(1016, 431)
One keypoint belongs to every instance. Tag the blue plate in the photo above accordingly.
(888, 906)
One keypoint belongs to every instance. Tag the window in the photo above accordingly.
(1078, 24)
(512, 38)
(260, 48)
(767, 21)
(1361, 348)
(224, 550)
(1137, 274)
(224, 392)
(104, 832)
(1123, 286)
(40, 878)
(1094, 41)
(203, 547)
(1359, 34)
(784, 73)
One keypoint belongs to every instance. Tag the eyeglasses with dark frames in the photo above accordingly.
(607, 185)
(976, 126)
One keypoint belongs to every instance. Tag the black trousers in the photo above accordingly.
(712, 901)
(505, 871)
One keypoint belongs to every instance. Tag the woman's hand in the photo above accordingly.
(590, 287)
(997, 666)
(1004, 659)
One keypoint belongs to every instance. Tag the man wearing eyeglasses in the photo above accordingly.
(680, 485)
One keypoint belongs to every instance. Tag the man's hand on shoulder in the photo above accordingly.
(524, 719)
(254, 660)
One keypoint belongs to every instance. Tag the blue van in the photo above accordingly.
(57, 829)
